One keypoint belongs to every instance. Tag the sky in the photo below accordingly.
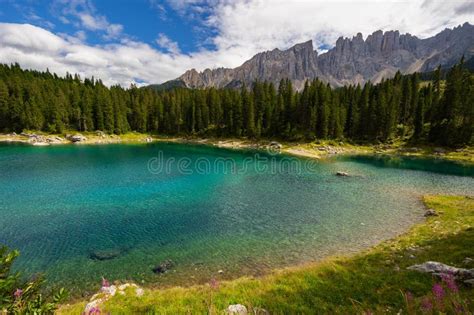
(151, 41)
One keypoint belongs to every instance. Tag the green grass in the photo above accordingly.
(373, 280)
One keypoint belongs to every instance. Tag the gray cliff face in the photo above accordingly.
(351, 61)
(298, 63)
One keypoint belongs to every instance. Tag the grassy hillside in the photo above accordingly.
(375, 281)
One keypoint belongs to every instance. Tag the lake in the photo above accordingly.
(204, 208)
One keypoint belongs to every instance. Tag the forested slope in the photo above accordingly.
(441, 111)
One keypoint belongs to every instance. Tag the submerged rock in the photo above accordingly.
(164, 266)
(104, 254)
(237, 309)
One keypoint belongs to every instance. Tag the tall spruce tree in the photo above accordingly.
(444, 110)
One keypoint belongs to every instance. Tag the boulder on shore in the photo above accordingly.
(164, 266)
(437, 269)
(276, 145)
(54, 139)
(36, 138)
(77, 138)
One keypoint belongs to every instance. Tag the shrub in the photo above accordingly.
(444, 298)
(24, 297)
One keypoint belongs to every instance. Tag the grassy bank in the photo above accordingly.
(370, 281)
(315, 149)
(90, 137)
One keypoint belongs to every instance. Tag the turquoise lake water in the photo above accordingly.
(244, 215)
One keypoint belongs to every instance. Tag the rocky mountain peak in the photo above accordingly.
(351, 61)
(306, 46)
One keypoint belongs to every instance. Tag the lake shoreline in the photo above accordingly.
(318, 149)
(334, 276)
(328, 149)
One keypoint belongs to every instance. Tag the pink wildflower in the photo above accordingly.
(18, 293)
(438, 291)
(214, 284)
(105, 283)
(458, 308)
(450, 282)
(426, 304)
(94, 311)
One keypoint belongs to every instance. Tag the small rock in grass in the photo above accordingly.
(92, 306)
(139, 292)
(110, 290)
(340, 173)
(220, 271)
(106, 292)
(237, 309)
(467, 261)
(260, 311)
(469, 282)
(430, 213)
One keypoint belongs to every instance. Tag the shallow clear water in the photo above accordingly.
(60, 203)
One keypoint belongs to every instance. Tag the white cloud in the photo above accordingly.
(37, 48)
(30, 15)
(159, 8)
(165, 42)
(87, 17)
(81, 35)
(92, 23)
(30, 39)
(241, 27)
(253, 26)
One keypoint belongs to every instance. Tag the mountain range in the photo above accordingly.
(351, 61)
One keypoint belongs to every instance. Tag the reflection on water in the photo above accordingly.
(415, 163)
